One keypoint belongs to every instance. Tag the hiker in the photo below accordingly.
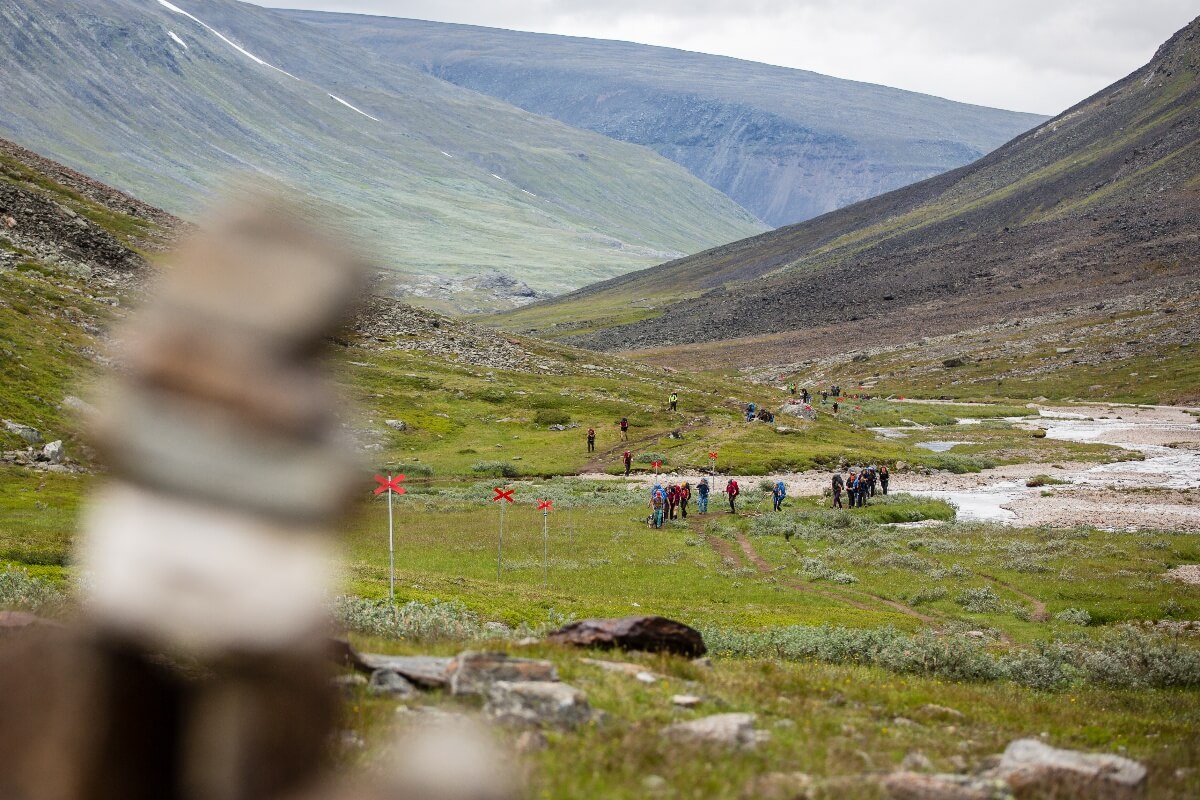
(872, 479)
(685, 495)
(883, 477)
(674, 401)
(627, 457)
(751, 408)
(824, 396)
(804, 395)
(591, 440)
(732, 490)
(658, 503)
(777, 495)
(838, 485)
(792, 388)
(702, 496)
(625, 429)
(672, 501)
(835, 406)
(852, 488)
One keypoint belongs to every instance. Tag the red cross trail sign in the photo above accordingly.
(505, 495)
(389, 484)
(712, 454)
(545, 505)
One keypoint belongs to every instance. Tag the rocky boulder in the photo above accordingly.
(649, 633)
(537, 704)
(54, 452)
(1035, 769)
(729, 730)
(27, 432)
(915, 786)
(473, 672)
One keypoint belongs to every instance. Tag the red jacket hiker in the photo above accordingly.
(732, 490)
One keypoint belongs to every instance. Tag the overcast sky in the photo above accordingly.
(1027, 55)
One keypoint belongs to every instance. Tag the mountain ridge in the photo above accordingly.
(1098, 200)
(787, 144)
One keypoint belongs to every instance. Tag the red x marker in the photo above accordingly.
(713, 455)
(503, 494)
(545, 505)
(656, 464)
(386, 484)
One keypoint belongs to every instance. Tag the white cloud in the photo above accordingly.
(1029, 55)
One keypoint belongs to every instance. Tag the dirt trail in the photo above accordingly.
(1039, 608)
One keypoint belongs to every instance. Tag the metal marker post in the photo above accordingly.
(544, 506)
(392, 486)
(502, 496)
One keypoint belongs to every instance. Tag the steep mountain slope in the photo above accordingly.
(786, 144)
(1102, 201)
(164, 99)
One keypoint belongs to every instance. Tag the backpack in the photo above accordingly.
(591, 433)
(733, 489)
(702, 489)
(780, 489)
(657, 499)
(837, 482)
(624, 423)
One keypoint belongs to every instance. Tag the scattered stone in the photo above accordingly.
(934, 711)
(27, 432)
(1033, 768)
(537, 703)
(903, 722)
(779, 786)
(1064, 350)
(975, 635)
(704, 662)
(77, 406)
(625, 668)
(916, 761)
(950, 363)
(686, 700)
(472, 672)
(427, 672)
(54, 452)
(398, 424)
(1184, 573)
(915, 786)
(389, 682)
(730, 730)
(652, 634)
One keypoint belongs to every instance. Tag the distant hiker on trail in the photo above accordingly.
(702, 496)
(792, 388)
(838, 485)
(658, 505)
(625, 430)
(750, 411)
(852, 488)
(591, 440)
(824, 396)
(732, 490)
(804, 395)
(778, 494)
(872, 479)
(628, 459)
(883, 477)
(685, 495)
(674, 401)
(672, 500)
(835, 406)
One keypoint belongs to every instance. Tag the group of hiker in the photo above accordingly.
(668, 502)
(753, 412)
(859, 484)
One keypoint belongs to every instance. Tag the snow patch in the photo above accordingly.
(177, 40)
(223, 38)
(352, 108)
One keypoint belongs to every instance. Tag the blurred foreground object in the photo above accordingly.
(211, 546)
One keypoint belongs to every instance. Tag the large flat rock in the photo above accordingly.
(649, 633)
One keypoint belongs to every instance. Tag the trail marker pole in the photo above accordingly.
(656, 465)
(570, 527)
(391, 486)
(544, 506)
(502, 496)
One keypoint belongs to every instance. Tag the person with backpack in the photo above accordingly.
(673, 401)
(883, 478)
(852, 488)
(627, 457)
(732, 490)
(685, 495)
(838, 485)
(872, 479)
(702, 496)
(672, 500)
(625, 430)
(778, 494)
(835, 406)
(824, 396)
(804, 395)
(591, 440)
(658, 505)
(751, 409)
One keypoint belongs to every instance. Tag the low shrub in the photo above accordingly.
(502, 469)
(978, 600)
(414, 469)
(928, 595)
(1074, 616)
(19, 590)
(551, 416)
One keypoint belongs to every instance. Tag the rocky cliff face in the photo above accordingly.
(786, 144)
